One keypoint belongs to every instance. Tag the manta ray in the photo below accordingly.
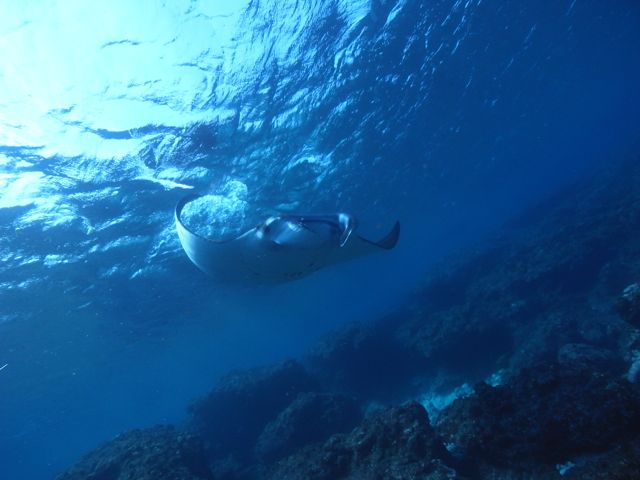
(280, 249)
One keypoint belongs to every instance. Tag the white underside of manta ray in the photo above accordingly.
(283, 248)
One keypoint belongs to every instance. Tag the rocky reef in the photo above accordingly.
(157, 453)
(539, 325)
(233, 415)
(628, 304)
(395, 443)
(545, 416)
(310, 418)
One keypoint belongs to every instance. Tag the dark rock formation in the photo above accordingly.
(397, 443)
(231, 417)
(366, 360)
(311, 418)
(157, 453)
(549, 279)
(580, 356)
(621, 463)
(633, 374)
(546, 415)
(628, 305)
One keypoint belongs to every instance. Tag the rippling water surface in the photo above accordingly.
(450, 116)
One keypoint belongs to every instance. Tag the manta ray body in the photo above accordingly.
(280, 249)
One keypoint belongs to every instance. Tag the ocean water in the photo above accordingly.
(449, 116)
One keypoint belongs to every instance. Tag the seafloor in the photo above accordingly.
(520, 360)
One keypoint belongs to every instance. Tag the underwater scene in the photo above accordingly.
(319, 239)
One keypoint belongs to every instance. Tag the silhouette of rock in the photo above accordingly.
(396, 443)
(231, 418)
(628, 305)
(366, 360)
(310, 418)
(620, 463)
(546, 415)
(581, 356)
(156, 453)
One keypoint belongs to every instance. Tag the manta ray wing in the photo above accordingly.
(211, 256)
(256, 258)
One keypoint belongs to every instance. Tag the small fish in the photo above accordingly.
(4, 366)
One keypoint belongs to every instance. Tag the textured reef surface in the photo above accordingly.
(152, 453)
(520, 359)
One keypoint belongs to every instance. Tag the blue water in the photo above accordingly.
(450, 116)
